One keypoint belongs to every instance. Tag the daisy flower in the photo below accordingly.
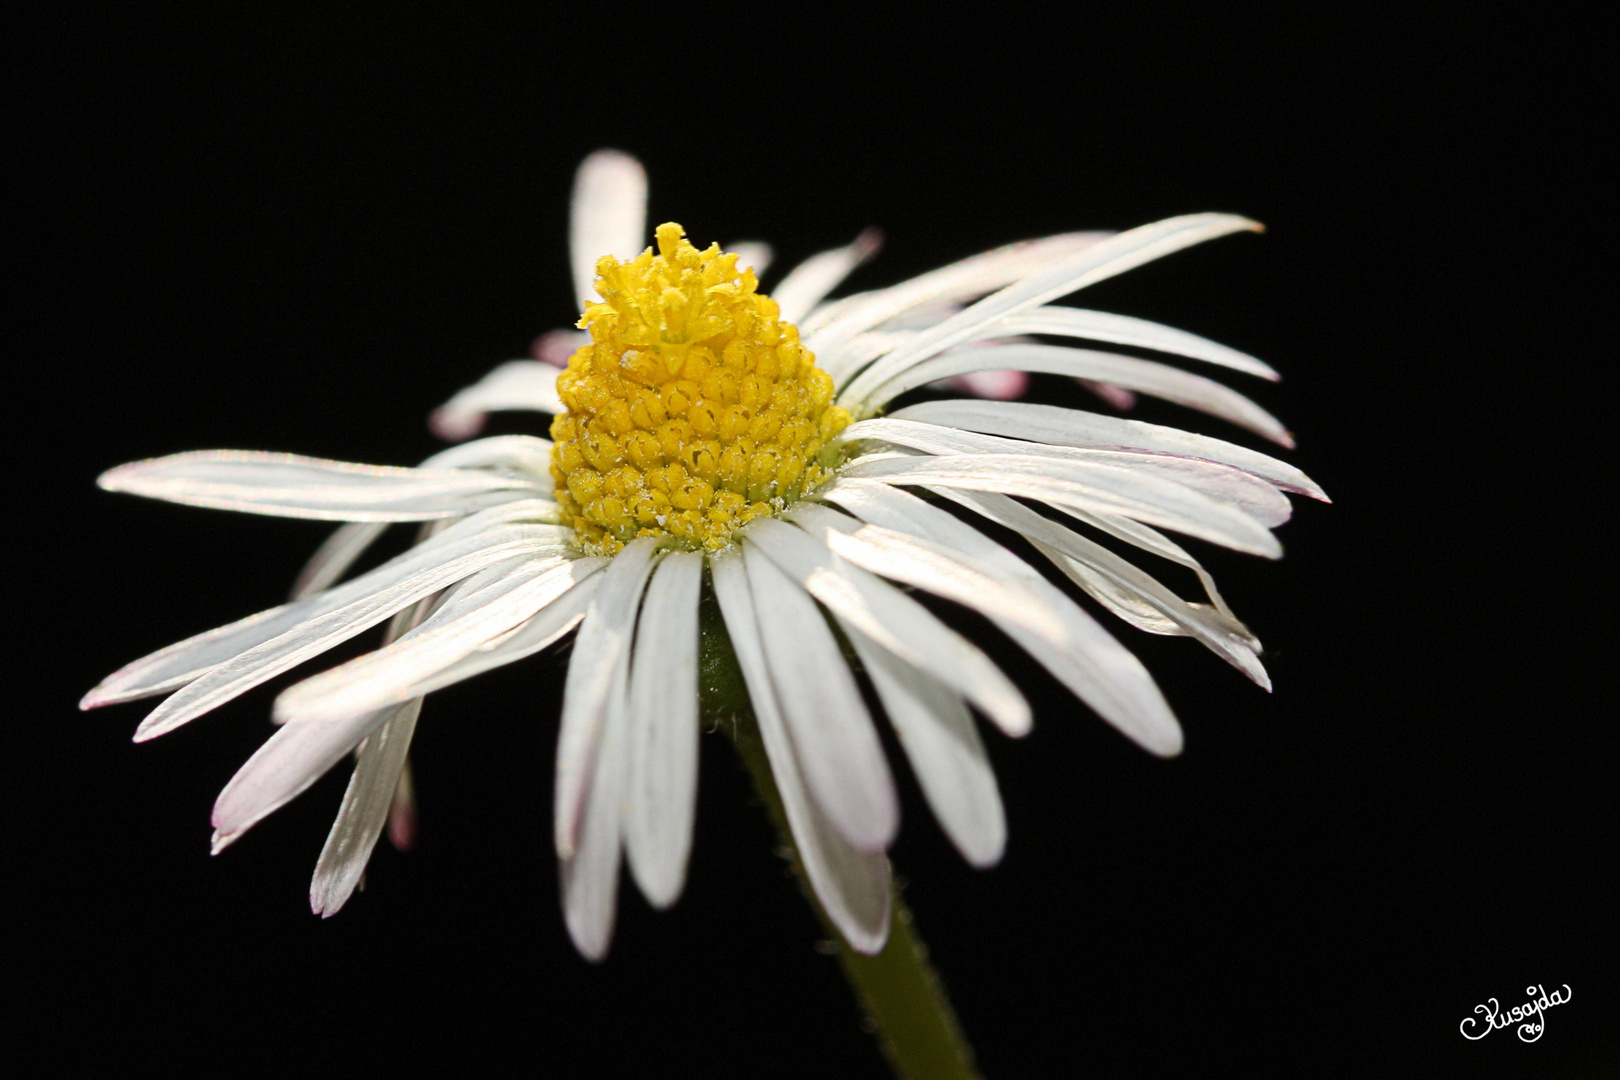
(706, 436)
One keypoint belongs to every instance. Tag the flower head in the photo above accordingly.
(693, 410)
(706, 431)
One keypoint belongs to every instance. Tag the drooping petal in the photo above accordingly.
(1090, 485)
(596, 671)
(923, 546)
(945, 752)
(390, 674)
(180, 663)
(852, 885)
(542, 631)
(1120, 585)
(312, 637)
(287, 485)
(526, 385)
(833, 736)
(662, 722)
(367, 804)
(893, 620)
(1145, 376)
(291, 760)
(590, 870)
(1104, 259)
(608, 216)
(1073, 427)
(1257, 498)
(803, 287)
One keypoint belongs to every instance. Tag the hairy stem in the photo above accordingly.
(898, 989)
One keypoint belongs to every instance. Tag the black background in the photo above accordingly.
(302, 232)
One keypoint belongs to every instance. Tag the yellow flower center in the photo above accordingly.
(693, 410)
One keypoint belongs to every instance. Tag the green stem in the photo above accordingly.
(898, 989)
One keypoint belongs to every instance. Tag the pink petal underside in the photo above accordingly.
(996, 385)
(554, 347)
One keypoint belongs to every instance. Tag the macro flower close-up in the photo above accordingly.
(738, 543)
(709, 436)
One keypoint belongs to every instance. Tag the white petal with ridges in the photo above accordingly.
(1243, 490)
(596, 671)
(288, 485)
(833, 736)
(390, 674)
(177, 664)
(914, 539)
(1089, 485)
(291, 760)
(891, 618)
(265, 661)
(1121, 583)
(662, 726)
(590, 870)
(1124, 330)
(1074, 427)
(830, 328)
(852, 885)
(1104, 259)
(1144, 376)
(367, 804)
(945, 752)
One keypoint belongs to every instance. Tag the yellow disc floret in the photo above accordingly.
(694, 409)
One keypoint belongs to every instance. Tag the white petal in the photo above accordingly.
(1102, 260)
(970, 278)
(944, 750)
(590, 870)
(1073, 427)
(265, 661)
(852, 885)
(1145, 376)
(367, 802)
(608, 216)
(528, 385)
(1124, 330)
(833, 736)
(1114, 581)
(390, 674)
(595, 672)
(662, 722)
(186, 660)
(924, 546)
(525, 454)
(891, 618)
(287, 485)
(1243, 490)
(755, 255)
(542, 631)
(334, 557)
(805, 285)
(1090, 485)
(291, 760)
(332, 560)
